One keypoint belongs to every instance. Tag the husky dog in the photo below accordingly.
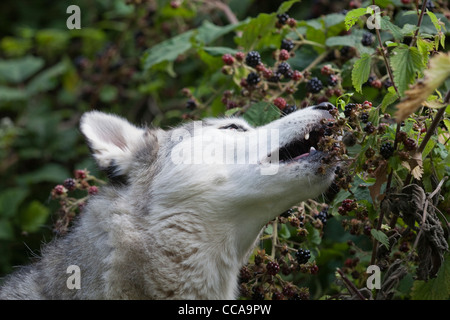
(168, 228)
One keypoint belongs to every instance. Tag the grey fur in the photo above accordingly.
(168, 232)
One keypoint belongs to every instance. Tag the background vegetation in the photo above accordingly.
(163, 62)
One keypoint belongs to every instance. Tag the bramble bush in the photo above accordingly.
(385, 68)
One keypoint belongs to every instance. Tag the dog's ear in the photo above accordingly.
(112, 140)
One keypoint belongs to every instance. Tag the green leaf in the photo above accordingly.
(285, 6)
(396, 31)
(11, 94)
(51, 172)
(46, 79)
(434, 289)
(257, 30)
(209, 32)
(10, 200)
(434, 20)
(261, 113)
(219, 51)
(6, 230)
(361, 72)
(18, 70)
(34, 216)
(390, 97)
(380, 236)
(284, 232)
(406, 62)
(353, 16)
(167, 50)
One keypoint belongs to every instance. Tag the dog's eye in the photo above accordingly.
(233, 126)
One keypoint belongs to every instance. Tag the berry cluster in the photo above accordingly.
(261, 279)
(70, 202)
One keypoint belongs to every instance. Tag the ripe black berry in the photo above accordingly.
(322, 216)
(287, 45)
(348, 109)
(69, 184)
(430, 5)
(275, 78)
(367, 39)
(386, 150)
(283, 68)
(272, 268)
(303, 255)
(364, 117)
(289, 109)
(314, 85)
(410, 144)
(253, 59)
(253, 79)
(332, 80)
(287, 213)
(191, 104)
(369, 128)
(282, 18)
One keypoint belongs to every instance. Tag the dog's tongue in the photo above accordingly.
(312, 150)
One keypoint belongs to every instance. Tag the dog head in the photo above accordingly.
(225, 164)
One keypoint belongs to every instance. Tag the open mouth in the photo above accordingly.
(302, 148)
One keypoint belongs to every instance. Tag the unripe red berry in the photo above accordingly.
(240, 56)
(280, 103)
(284, 55)
(228, 59)
(93, 190)
(297, 75)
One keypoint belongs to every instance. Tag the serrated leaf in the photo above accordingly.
(167, 50)
(361, 72)
(390, 97)
(257, 30)
(285, 6)
(406, 62)
(261, 113)
(34, 216)
(392, 28)
(18, 70)
(434, 289)
(353, 16)
(437, 73)
(381, 237)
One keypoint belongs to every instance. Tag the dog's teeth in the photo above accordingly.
(307, 136)
(312, 149)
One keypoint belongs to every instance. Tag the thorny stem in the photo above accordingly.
(351, 287)
(383, 53)
(416, 33)
(429, 132)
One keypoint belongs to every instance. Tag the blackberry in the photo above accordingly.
(289, 109)
(314, 85)
(253, 58)
(272, 268)
(410, 144)
(303, 255)
(386, 150)
(364, 117)
(430, 5)
(69, 184)
(370, 80)
(191, 104)
(348, 109)
(322, 216)
(287, 45)
(282, 18)
(287, 213)
(283, 68)
(367, 39)
(275, 77)
(388, 83)
(258, 293)
(332, 80)
(253, 79)
(369, 128)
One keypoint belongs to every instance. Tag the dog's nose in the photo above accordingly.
(325, 106)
